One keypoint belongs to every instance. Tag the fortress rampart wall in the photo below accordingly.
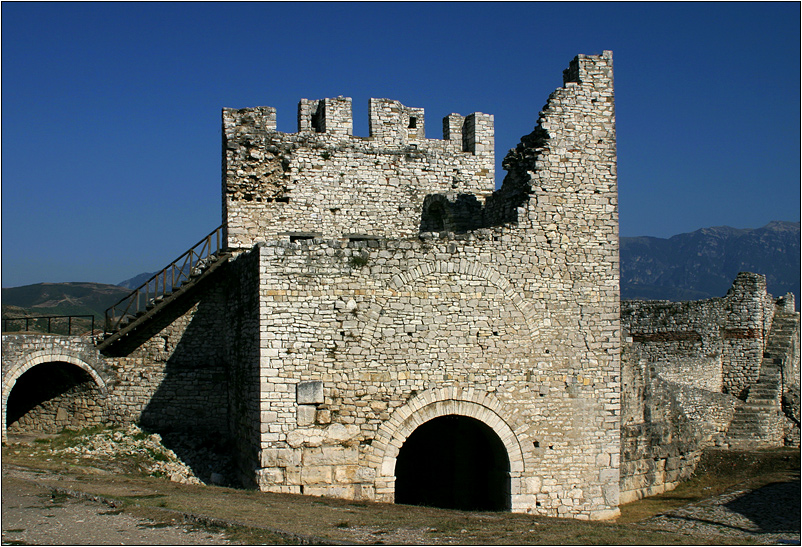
(684, 365)
(520, 316)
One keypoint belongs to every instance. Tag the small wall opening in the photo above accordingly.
(454, 462)
(318, 119)
(52, 396)
(433, 217)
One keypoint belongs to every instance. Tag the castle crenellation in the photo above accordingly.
(324, 182)
(390, 327)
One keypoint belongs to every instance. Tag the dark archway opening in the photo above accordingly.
(453, 462)
(51, 396)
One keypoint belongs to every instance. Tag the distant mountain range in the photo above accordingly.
(136, 281)
(693, 266)
(59, 299)
(704, 263)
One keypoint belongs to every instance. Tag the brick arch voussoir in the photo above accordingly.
(37, 358)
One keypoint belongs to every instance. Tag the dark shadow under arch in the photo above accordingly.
(453, 462)
(58, 393)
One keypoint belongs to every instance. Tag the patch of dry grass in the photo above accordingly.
(252, 517)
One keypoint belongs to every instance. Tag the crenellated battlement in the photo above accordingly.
(324, 180)
(391, 124)
(332, 116)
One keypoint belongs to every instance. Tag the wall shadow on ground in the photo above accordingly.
(774, 507)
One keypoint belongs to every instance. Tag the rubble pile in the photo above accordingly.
(156, 459)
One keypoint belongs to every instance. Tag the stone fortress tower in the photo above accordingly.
(421, 337)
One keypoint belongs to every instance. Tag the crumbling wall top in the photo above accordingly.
(587, 68)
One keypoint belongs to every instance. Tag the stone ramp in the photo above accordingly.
(169, 284)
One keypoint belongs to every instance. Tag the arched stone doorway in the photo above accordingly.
(453, 462)
(431, 404)
(48, 396)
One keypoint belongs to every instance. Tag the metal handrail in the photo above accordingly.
(181, 270)
(49, 318)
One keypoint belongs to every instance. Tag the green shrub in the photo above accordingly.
(359, 261)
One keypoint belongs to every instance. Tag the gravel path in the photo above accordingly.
(768, 515)
(32, 514)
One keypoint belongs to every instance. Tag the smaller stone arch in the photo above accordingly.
(37, 358)
(477, 270)
(433, 404)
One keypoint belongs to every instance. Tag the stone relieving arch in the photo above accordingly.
(402, 280)
(433, 404)
(38, 358)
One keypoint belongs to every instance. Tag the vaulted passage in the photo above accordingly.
(52, 396)
(453, 462)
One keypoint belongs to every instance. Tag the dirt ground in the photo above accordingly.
(36, 515)
(737, 498)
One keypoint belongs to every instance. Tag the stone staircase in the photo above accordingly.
(759, 422)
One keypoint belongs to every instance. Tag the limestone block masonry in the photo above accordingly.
(324, 182)
(690, 372)
(372, 325)
(73, 400)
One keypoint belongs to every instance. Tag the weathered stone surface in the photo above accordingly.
(330, 455)
(280, 457)
(305, 415)
(309, 393)
(516, 293)
(684, 367)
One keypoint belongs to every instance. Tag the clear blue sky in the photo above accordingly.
(111, 112)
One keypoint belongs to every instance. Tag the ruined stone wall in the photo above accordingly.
(514, 325)
(683, 363)
(749, 314)
(323, 181)
(665, 424)
(683, 341)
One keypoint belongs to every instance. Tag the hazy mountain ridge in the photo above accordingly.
(691, 266)
(136, 281)
(703, 264)
(61, 299)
